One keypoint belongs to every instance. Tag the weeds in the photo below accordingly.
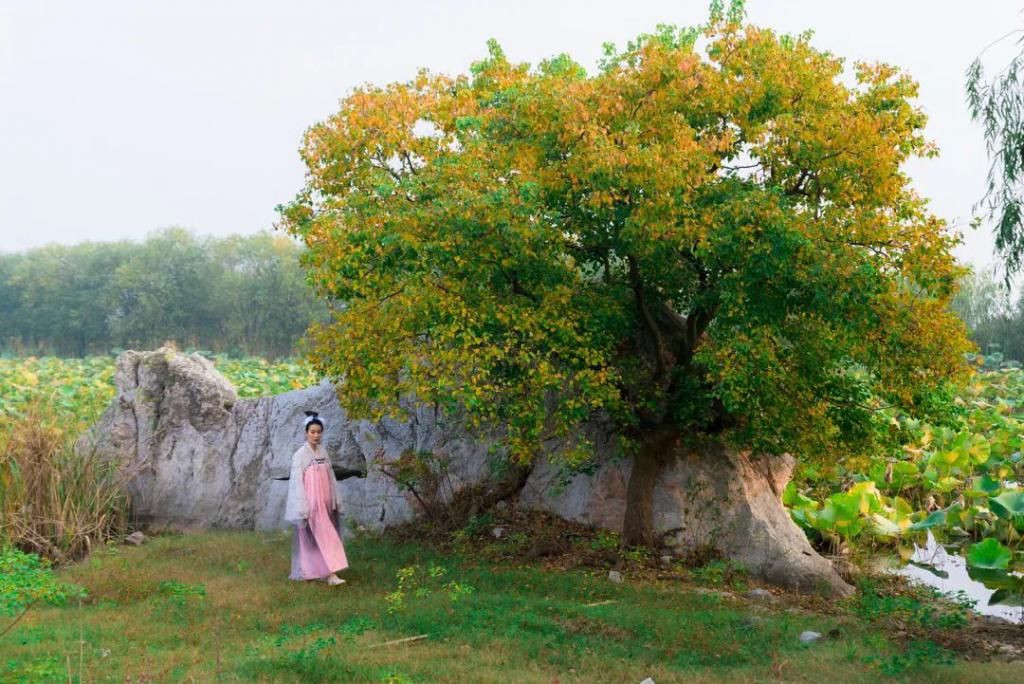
(58, 499)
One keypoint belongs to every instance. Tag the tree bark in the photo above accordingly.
(638, 522)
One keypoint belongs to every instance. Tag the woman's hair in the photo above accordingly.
(313, 418)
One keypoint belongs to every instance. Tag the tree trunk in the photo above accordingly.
(637, 524)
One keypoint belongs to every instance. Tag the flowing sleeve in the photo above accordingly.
(296, 509)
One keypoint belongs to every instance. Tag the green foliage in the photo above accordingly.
(605, 540)
(704, 237)
(996, 104)
(235, 294)
(413, 582)
(912, 658)
(922, 607)
(78, 390)
(26, 579)
(722, 573)
(956, 481)
(989, 554)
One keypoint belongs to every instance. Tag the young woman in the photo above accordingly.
(314, 508)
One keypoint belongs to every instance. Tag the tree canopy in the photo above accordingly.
(712, 234)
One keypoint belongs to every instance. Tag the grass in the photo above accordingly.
(57, 499)
(218, 607)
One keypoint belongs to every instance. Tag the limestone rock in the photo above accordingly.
(715, 495)
(199, 456)
(760, 595)
(136, 539)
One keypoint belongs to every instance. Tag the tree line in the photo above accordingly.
(993, 314)
(238, 295)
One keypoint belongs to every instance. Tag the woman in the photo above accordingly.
(314, 508)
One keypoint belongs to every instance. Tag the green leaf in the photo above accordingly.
(989, 554)
(936, 518)
(1008, 505)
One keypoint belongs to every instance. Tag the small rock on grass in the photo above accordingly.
(752, 621)
(809, 637)
(647, 681)
(760, 595)
(135, 538)
(615, 576)
(498, 532)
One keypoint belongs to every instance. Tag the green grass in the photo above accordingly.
(218, 607)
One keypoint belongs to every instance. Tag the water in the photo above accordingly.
(955, 567)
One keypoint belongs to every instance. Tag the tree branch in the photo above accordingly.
(660, 369)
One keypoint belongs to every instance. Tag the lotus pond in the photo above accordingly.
(947, 502)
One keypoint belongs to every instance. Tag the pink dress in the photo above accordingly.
(317, 550)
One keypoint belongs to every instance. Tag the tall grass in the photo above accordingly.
(58, 497)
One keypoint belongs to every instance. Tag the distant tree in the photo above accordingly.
(238, 294)
(995, 319)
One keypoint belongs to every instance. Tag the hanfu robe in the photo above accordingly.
(314, 507)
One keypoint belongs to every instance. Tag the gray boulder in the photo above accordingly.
(199, 456)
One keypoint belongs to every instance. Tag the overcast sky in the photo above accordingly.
(119, 118)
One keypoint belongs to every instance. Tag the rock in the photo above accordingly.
(760, 595)
(199, 456)
(136, 539)
(202, 457)
(711, 494)
(752, 621)
(648, 680)
(498, 532)
(615, 576)
(666, 560)
(809, 637)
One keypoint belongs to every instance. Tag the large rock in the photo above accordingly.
(711, 496)
(203, 457)
(200, 456)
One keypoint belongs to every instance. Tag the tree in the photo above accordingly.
(998, 106)
(718, 245)
(995, 319)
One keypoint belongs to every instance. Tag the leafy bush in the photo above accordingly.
(26, 579)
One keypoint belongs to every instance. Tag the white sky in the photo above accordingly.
(121, 117)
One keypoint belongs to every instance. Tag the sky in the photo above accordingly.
(118, 118)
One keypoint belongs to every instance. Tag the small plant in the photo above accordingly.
(355, 626)
(722, 572)
(922, 606)
(478, 524)
(416, 583)
(605, 541)
(26, 579)
(916, 654)
(637, 554)
(180, 600)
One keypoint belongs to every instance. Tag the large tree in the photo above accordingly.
(693, 242)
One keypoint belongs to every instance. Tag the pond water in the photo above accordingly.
(936, 567)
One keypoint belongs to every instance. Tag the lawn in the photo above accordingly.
(217, 607)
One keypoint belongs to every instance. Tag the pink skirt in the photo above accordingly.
(317, 550)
